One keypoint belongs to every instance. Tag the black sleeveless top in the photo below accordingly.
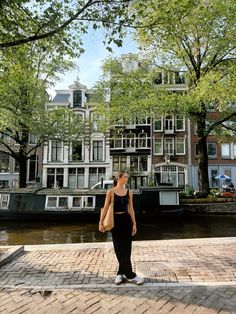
(121, 202)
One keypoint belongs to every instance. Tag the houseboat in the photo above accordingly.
(83, 204)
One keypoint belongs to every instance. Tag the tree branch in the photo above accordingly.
(50, 33)
(219, 122)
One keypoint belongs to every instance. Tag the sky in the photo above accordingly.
(89, 63)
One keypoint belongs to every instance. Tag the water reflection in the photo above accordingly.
(199, 226)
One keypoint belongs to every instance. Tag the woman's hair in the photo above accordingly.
(119, 175)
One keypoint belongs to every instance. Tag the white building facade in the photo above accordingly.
(83, 163)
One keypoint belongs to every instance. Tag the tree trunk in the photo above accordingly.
(203, 166)
(202, 153)
(22, 158)
(22, 172)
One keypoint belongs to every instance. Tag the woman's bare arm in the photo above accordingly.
(131, 208)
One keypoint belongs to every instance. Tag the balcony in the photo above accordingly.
(130, 144)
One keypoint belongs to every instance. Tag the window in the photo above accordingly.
(77, 202)
(158, 79)
(4, 201)
(228, 173)
(88, 201)
(16, 165)
(97, 150)
(138, 163)
(63, 202)
(143, 163)
(134, 163)
(158, 124)
(4, 162)
(211, 150)
(214, 182)
(32, 139)
(76, 153)
(52, 201)
(180, 145)
(142, 140)
(179, 122)
(158, 146)
(56, 151)
(234, 149)
(76, 178)
(141, 121)
(225, 150)
(169, 146)
(33, 167)
(169, 123)
(55, 177)
(119, 163)
(4, 184)
(117, 142)
(96, 175)
(77, 98)
(179, 78)
(130, 141)
(96, 120)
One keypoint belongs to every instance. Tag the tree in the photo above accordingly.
(199, 38)
(24, 76)
(25, 21)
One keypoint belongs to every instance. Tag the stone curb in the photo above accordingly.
(122, 286)
(11, 253)
(109, 245)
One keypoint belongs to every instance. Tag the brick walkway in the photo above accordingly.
(181, 276)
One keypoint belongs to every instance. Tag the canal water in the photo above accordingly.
(193, 226)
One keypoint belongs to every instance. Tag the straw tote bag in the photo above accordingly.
(108, 221)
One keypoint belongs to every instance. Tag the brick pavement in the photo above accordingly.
(181, 276)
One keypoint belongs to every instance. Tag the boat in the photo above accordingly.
(83, 204)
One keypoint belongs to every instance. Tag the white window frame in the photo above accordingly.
(169, 121)
(70, 203)
(234, 150)
(127, 139)
(142, 138)
(184, 142)
(161, 140)
(1, 200)
(212, 157)
(50, 151)
(173, 145)
(103, 152)
(118, 139)
(71, 150)
(158, 130)
(183, 129)
(225, 156)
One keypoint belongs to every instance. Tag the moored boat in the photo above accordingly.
(82, 204)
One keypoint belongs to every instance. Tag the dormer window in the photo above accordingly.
(77, 98)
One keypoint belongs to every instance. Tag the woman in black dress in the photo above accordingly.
(124, 228)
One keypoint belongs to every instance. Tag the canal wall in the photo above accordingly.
(213, 208)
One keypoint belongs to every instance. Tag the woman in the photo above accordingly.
(124, 228)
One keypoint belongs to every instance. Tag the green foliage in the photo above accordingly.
(24, 21)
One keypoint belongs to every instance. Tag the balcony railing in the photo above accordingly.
(131, 144)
